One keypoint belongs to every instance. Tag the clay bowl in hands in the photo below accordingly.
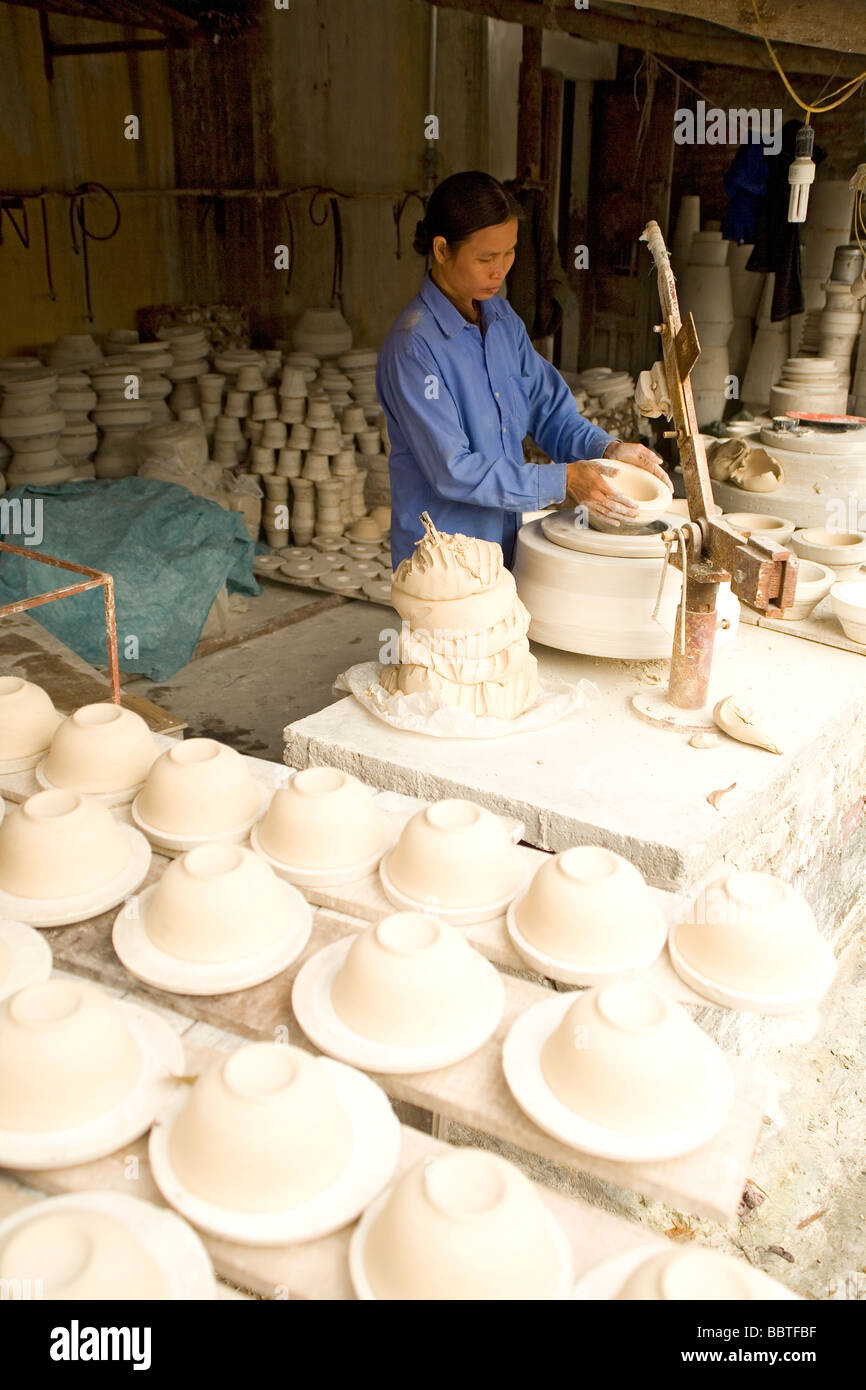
(100, 749)
(814, 582)
(201, 787)
(66, 1056)
(590, 912)
(628, 1059)
(28, 719)
(848, 600)
(410, 981)
(453, 857)
(261, 1131)
(649, 493)
(217, 903)
(59, 844)
(466, 1225)
(753, 941)
(694, 1272)
(324, 822)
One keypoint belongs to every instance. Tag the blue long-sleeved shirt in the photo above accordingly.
(459, 403)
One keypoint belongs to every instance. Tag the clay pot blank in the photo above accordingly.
(590, 907)
(693, 1272)
(28, 719)
(410, 981)
(58, 844)
(201, 787)
(629, 1059)
(365, 529)
(456, 854)
(101, 748)
(814, 583)
(66, 1057)
(774, 528)
(649, 493)
(754, 933)
(217, 903)
(464, 1226)
(324, 819)
(81, 1254)
(848, 600)
(841, 550)
(262, 1130)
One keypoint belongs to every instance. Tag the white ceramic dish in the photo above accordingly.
(315, 878)
(173, 1245)
(315, 1012)
(569, 973)
(143, 959)
(521, 1063)
(179, 844)
(814, 582)
(162, 1062)
(61, 912)
(772, 1004)
(28, 960)
(374, 1158)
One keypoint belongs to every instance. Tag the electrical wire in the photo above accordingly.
(844, 93)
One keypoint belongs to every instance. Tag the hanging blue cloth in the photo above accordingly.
(745, 182)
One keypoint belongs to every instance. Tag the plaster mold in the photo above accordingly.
(324, 822)
(456, 858)
(200, 787)
(848, 600)
(58, 844)
(100, 749)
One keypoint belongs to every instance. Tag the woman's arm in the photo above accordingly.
(414, 395)
(555, 422)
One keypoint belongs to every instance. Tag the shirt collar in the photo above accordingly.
(448, 317)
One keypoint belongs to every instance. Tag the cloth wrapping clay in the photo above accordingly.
(169, 551)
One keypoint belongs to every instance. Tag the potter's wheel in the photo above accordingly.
(594, 592)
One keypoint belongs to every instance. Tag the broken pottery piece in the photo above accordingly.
(590, 909)
(737, 719)
(693, 1272)
(726, 455)
(410, 981)
(28, 719)
(466, 1225)
(758, 472)
(453, 855)
(323, 820)
(200, 787)
(628, 1059)
(754, 934)
(261, 1130)
(100, 748)
(66, 1056)
(59, 844)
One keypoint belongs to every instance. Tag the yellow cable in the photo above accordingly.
(848, 88)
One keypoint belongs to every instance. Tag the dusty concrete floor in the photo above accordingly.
(805, 1221)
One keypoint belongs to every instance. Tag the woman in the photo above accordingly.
(461, 385)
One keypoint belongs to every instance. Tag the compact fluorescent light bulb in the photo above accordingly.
(801, 174)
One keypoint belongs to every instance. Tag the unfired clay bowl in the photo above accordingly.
(201, 787)
(694, 1272)
(848, 599)
(843, 551)
(410, 981)
(814, 582)
(66, 1057)
(629, 1059)
(81, 1255)
(28, 719)
(774, 528)
(365, 529)
(754, 933)
(101, 748)
(454, 854)
(217, 903)
(59, 844)
(467, 1225)
(648, 492)
(324, 819)
(262, 1130)
(590, 907)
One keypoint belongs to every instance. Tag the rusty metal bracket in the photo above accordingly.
(95, 579)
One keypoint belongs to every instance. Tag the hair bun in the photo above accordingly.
(421, 243)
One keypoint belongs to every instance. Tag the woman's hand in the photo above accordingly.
(640, 456)
(586, 483)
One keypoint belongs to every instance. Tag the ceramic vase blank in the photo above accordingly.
(59, 844)
(262, 1130)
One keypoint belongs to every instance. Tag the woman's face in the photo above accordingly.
(476, 268)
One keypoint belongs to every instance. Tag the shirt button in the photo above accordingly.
(496, 394)
(504, 429)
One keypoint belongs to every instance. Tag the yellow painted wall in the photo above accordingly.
(61, 133)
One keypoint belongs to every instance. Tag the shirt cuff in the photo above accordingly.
(552, 486)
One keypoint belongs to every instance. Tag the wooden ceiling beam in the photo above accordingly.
(709, 44)
(150, 14)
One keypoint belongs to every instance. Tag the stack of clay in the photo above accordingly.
(73, 352)
(76, 397)
(336, 385)
(122, 409)
(152, 363)
(189, 348)
(609, 400)
(688, 222)
(360, 367)
(827, 226)
(769, 352)
(466, 642)
(322, 331)
(31, 423)
(119, 340)
(293, 392)
(810, 384)
(840, 324)
(746, 289)
(210, 396)
(705, 290)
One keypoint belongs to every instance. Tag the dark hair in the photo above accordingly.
(461, 205)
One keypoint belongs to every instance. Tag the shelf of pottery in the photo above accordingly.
(193, 875)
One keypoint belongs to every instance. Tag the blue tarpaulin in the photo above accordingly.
(170, 553)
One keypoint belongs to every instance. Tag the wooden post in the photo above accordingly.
(529, 104)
